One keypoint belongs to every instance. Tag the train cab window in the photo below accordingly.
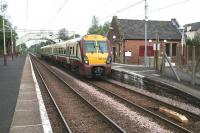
(102, 45)
(90, 46)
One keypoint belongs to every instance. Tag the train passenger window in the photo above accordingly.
(76, 49)
(71, 51)
(62, 50)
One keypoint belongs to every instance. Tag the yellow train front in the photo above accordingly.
(96, 56)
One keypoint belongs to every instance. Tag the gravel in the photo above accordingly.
(136, 121)
(182, 105)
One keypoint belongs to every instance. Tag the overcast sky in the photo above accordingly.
(76, 15)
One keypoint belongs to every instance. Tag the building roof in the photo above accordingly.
(134, 29)
(194, 26)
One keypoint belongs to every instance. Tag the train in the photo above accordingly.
(89, 55)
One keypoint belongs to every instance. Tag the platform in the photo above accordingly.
(150, 74)
(30, 114)
(10, 77)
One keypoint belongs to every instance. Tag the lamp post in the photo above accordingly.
(145, 25)
(182, 38)
(4, 46)
(11, 39)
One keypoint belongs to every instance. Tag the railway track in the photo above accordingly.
(174, 125)
(77, 113)
(146, 103)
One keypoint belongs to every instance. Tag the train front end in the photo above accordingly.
(96, 56)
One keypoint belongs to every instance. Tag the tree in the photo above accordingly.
(63, 34)
(105, 28)
(3, 9)
(94, 29)
(22, 48)
(98, 29)
(195, 41)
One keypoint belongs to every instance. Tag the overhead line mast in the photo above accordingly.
(145, 36)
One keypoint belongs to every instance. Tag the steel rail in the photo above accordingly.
(163, 103)
(54, 102)
(100, 112)
(142, 108)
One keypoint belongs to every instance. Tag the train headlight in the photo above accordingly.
(85, 60)
(109, 60)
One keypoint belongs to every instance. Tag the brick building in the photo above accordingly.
(127, 39)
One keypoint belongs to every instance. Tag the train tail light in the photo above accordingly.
(109, 60)
(85, 60)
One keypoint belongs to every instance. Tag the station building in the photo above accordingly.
(128, 39)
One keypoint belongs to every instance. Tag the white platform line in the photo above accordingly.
(20, 110)
(27, 126)
(21, 100)
(44, 116)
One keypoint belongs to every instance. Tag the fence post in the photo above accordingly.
(193, 65)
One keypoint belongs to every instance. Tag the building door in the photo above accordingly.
(114, 53)
(167, 49)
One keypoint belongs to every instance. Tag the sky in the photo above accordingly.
(76, 15)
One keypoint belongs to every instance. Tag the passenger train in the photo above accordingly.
(89, 55)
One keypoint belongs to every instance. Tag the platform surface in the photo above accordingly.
(10, 77)
(30, 115)
(152, 74)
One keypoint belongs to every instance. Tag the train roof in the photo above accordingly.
(74, 41)
(62, 44)
(47, 46)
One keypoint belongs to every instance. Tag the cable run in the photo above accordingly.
(53, 18)
(123, 9)
(164, 7)
(168, 6)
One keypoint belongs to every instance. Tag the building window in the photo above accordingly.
(174, 49)
(167, 49)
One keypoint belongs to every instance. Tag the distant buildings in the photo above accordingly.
(191, 29)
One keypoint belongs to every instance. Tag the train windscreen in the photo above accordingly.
(102, 45)
(94, 46)
(90, 46)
